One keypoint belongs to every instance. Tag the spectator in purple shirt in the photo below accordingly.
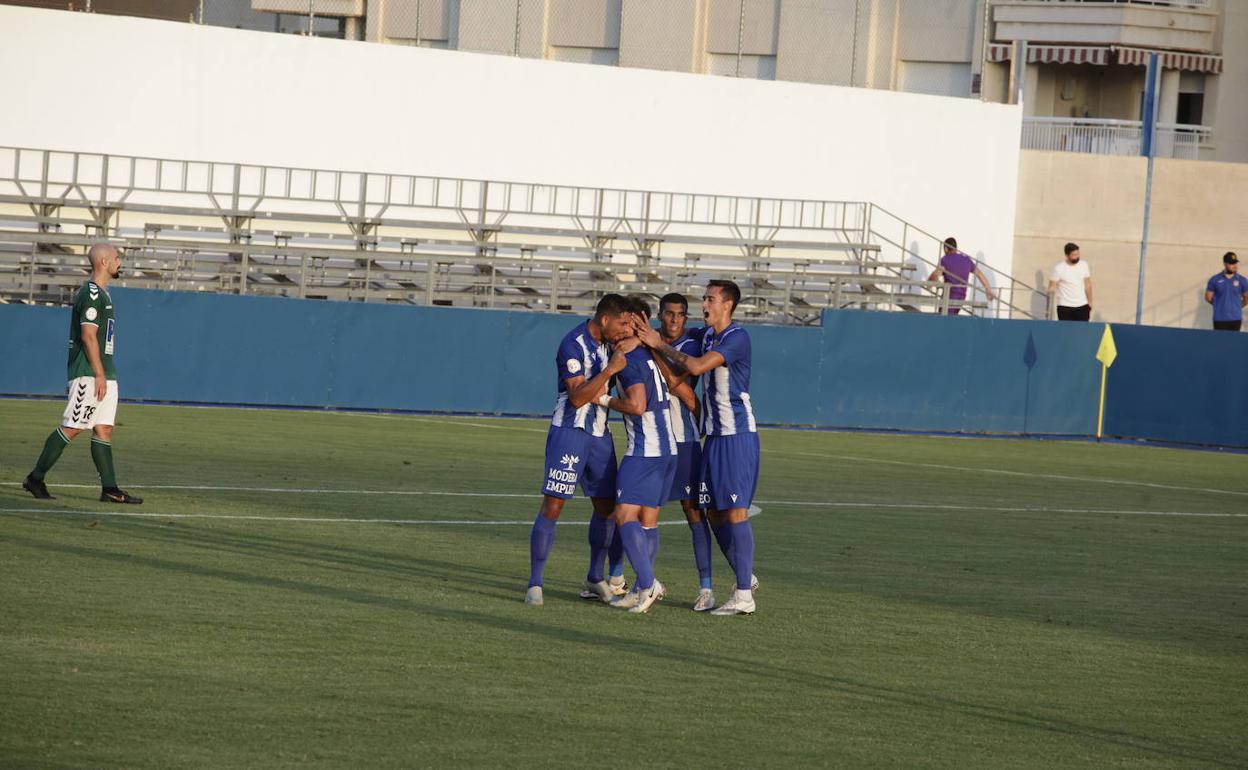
(956, 269)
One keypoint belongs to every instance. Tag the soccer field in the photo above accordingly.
(314, 588)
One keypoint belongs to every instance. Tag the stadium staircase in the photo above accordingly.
(353, 236)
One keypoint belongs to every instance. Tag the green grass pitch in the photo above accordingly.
(925, 602)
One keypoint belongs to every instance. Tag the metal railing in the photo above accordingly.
(1101, 136)
(204, 226)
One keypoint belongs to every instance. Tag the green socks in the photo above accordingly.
(52, 449)
(102, 454)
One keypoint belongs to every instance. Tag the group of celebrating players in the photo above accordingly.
(654, 375)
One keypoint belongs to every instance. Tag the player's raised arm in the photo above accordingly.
(681, 363)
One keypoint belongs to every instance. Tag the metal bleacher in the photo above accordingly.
(372, 237)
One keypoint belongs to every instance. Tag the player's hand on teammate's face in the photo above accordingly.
(101, 388)
(648, 336)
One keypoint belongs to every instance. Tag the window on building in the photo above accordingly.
(1191, 109)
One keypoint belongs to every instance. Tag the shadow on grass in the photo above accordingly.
(698, 658)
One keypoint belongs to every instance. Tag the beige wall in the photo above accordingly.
(1097, 201)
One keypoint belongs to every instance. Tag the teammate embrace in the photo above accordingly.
(655, 375)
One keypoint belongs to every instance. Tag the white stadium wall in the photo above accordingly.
(96, 83)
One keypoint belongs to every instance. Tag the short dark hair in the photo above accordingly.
(951, 242)
(729, 288)
(674, 298)
(1069, 248)
(640, 305)
(612, 304)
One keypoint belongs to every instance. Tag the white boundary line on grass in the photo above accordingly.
(1027, 474)
(534, 496)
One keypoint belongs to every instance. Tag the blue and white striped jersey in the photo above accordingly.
(683, 424)
(650, 433)
(726, 409)
(580, 355)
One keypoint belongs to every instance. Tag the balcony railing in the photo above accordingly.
(1112, 137)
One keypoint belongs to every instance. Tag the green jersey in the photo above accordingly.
(93, 307)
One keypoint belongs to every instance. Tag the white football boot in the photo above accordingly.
(646, 598)
(599, 591)
(534, 595)
(741, 603)
(619, 586)
(753, 582)
(625, 602)
(660, 591)
(706, 600)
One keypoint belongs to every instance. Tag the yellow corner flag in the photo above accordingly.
(1106, 352)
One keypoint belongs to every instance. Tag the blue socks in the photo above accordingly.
(702, 551)
(637, 547)
(652, 544)
(541, 540)
(723, 536)
(601, 538)
(615, 555)
(743, 553)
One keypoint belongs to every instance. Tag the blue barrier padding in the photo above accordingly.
(959, 375)
(1179, 385)
(861, 370)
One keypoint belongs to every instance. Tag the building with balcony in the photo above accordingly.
(1081, 78)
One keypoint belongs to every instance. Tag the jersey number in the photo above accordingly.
(660, 387)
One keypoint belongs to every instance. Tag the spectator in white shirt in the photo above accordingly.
(1071, 282)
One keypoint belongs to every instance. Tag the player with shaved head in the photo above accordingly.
(92, 381)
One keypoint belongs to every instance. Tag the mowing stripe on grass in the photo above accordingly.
(1027, 474)
(529, 522)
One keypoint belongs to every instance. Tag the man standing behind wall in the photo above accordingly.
(1228, 293)
(1071, 284)
(957, 268)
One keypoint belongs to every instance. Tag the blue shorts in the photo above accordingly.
(645, 481)
(574, 457)
(688, 471)
(729, 471)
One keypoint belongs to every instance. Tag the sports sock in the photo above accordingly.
(633, 538)
(52, 448)
(652, 544)
(723, 536)
(102, 454)
(601, 535)
(541, 539)
(615, 556)
(702, 551)
(743, 553)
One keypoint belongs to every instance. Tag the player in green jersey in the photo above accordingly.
(92, 381)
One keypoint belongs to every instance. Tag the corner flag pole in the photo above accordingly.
(1106, 352)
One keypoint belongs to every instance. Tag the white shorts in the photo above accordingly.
(83, 411)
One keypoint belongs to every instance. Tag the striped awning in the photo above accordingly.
(1085, 54)
(1052, 54)
(1171, 60)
